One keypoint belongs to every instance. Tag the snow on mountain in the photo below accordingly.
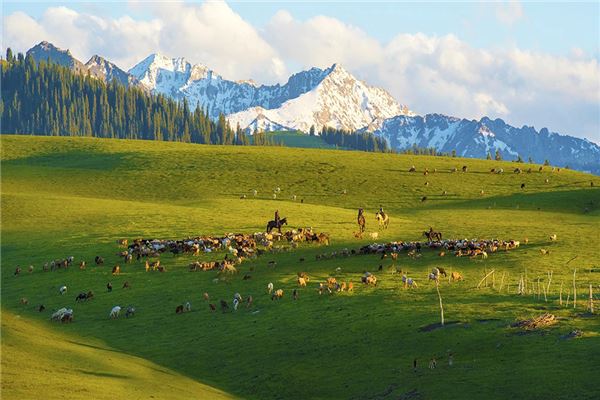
(339, 100)
(107, 71)
(318, 97)
(471, 138)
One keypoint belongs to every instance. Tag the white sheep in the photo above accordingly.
(270, 287)
(63, 289)
(115, 312)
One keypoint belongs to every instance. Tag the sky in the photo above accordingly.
(529, 63)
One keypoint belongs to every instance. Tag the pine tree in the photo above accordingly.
(498, 156)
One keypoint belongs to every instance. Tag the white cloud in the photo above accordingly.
(210, 33)
(509, 12)
(428, 73)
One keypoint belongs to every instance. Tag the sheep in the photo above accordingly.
(31, 269)
(456, 276)
(544, 252)
(444, 193)
(374, 235)
(187, 306)
(270, 287)
(206, 296)
(236, 302)
(24, 301)
(522, 186)
(82, 265)
(553, 238)
(423, 199)
(277, 295)
(17, 271)
(130, 312)
(301, 282)
(116, 270)
(115, 312)
(63, 289)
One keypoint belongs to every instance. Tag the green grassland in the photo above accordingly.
(298, 139)
(63, 196)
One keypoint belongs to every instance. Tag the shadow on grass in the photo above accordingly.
(103, 374)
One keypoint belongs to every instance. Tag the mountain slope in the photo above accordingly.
(103, 69)
(471, 138)
(45, 51)
(318, 97)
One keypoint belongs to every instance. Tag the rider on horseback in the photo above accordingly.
(381, 211)
(277, 219)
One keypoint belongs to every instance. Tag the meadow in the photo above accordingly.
(77, 196)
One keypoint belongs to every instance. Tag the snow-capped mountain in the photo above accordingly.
(332, 97)
(45, 51)
(318, 97)
(107, 71)
(471, 138)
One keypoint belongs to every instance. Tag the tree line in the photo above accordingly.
(49, 99)
(364, 141)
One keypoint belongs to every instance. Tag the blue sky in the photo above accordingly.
(529, 63)
(549, 26)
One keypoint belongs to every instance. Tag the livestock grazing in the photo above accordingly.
(41, 308)
(464, 168)
(99, 260)
(526, 240)
(126, 285)
(130, 312)
(109, 287)
(301, 282)
(423, 199)
(426, 172)
(122, 242)
(343, 286)
(522, 186)
(247, 276)
(116, 270)
(540, 169)
(518, 170)
(243, 196)
(454, 169)
(350, 286)
(57, 315)
(442, 271)
(270, 287)
(456, 276)
(82, 265)
(493, 170)
(412, 169)
(544, 252)
(481, 193)
(374, 235)
(249, 301)
(63, 289)
(206, 296)
(331, 282)
(224, 306)
(45, 267)
(529, 170)
(553, 238)
(426, 183)
(24, 301)
(444, 193)
(187, 306)
(67, 317)
(84, 296)
(369, 279)
(17, 271)
(394, 256)
(212, 307)
(70, 260)
(547, 180)
(442, 253)
(236, 303)
(278, 294)
(115, 312)
(304, 275)
(30, 269)
(179, 309)
(500, 171)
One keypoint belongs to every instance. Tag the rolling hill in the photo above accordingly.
(76, 196)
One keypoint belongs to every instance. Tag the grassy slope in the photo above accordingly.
(39, 362)
(75, 196)
(299, 139)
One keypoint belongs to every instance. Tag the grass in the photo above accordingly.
(64, 197)
(298, 139)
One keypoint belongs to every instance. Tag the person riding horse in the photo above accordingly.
(276, 219)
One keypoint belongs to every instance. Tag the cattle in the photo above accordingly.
(187, 307)
(17, 271)
(423, 199)
(116, 270)
(212, 307)
(278, 294)
(24, 301)
(30, 269)
(62, 289)
(84, 296)
(224, 306)
(126, 285)
(206, 296)
(82, 265)
(179, 309)
(41, 308)
(109, 287)
(99, 260)
(301, 282)
(115, 312)
(464, 168)
(130, 312)
(544, 252)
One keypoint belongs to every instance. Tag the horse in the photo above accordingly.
(382, 219)
(431, 235)
(361, 223)
(272, 224)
